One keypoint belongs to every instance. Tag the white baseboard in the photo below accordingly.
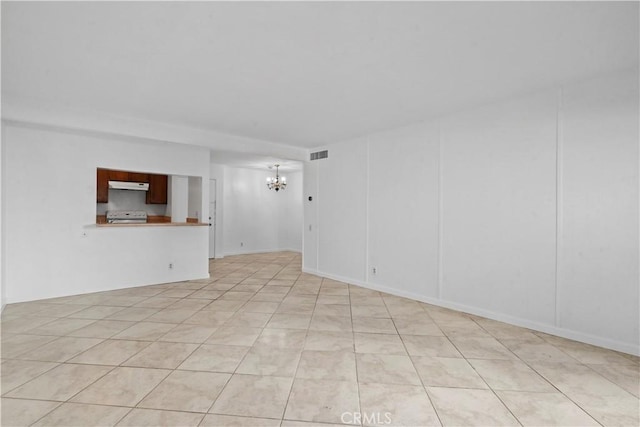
(517, 321)
(259, 251)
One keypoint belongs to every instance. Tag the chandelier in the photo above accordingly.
(278, 183)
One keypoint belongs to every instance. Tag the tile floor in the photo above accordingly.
(260, 344)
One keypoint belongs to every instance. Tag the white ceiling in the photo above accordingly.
(304, 74)
(253, 161)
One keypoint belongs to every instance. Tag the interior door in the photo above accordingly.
(212, 218)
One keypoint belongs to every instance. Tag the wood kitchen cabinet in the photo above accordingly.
(118, 175)
(157, 193)
(102, 193)
(158, 184)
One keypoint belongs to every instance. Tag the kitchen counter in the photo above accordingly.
(156, 224)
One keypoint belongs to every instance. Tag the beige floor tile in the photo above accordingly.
(466, 407)
(502, 330)
(186, 333)
(421, 345)
(122, 386)
(247, 319)
(14, 373)
(510, 375)
(447, 372)
(379, 343)
(397, 405)
(268, 297)
(186, 391)
(333, 299)
(289, 321)
(110, 352)
(155, 418)
(322, 400)
(330, 323)
(368, 300)
(386, 369)
(280, 362)
(420, 326)
(296, 308)
(96, 312)
(16, 345)
(327, 365)
(171, 315)
(482, 348)
(333, 310)
(537, 352)
(18, 412)
(545, 409)
(259, 312)
(61, 326)
(329, 341)
(167, 355)
(282, 338)
(77, 414)
(145, 331)
(189, 304)
(176, 293)
(60, 310)
(463, 328)
(290, 423)
(230, 335)
(379, 311)
(133, 314)
(374, 325)
(225, 305)
(102, 329)
(590, 354)
(206, 294)
(60, 383)
(253, 396)
(606, 402)
(215, 358)
(24, 324)
(156, 302)
(61, 349)
(210, 318)
(625, 376)
(260, 307)
(239, 296)
(214, 420)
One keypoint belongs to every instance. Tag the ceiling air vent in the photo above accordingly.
(320, 155)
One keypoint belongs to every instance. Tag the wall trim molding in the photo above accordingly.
(260, 251)
(516, 321)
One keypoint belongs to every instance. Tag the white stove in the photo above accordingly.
(126, 217)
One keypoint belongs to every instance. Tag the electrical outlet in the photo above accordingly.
(374, 270)
(241, 244)
(170, 266)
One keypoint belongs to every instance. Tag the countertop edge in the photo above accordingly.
(155, 224)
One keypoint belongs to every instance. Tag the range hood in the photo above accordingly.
(125, 185)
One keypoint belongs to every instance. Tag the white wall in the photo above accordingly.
(55, 247)
(598, 290)
(2, 208)
(524, 211)
(195, 199)
(217, 172)
(290, 213)
(257, 219)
